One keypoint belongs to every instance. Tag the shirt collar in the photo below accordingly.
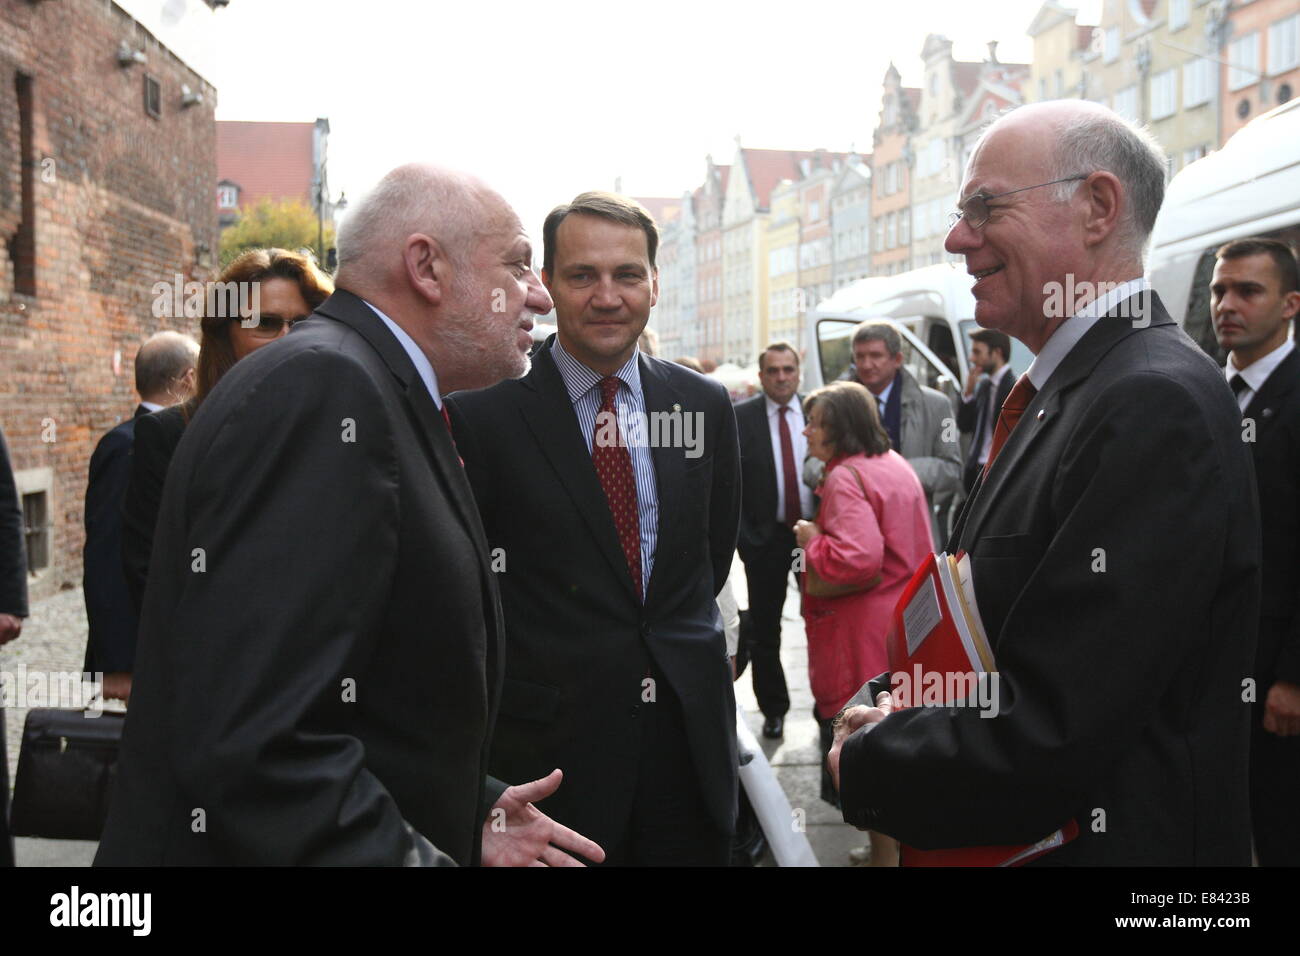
(152, 406)
(997, 377)
(774, 409)
(579, 379)
(421, 361)
(1069, 332)
(1257, 372)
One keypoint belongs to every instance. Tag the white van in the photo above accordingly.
(1250, 187)
(932, 307)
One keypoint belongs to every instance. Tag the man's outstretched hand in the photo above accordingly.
(518, 834)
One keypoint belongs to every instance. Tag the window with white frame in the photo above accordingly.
(880, 233)
(1198, 82)
(1177, 14)
(227, 197)
(1110, 45)
(1284, 45)
(904, 228)
(1243, 57)
(1126, 103)
(1164, 94)
(891, 231)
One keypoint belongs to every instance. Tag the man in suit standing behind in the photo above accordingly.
(319, 664)
(612, 546)
(1114, 539)
(990, 351)
(772, 453)
(1255, 296)
(919, 419)
(164, 375)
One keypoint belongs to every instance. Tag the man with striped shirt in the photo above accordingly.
(608, 483)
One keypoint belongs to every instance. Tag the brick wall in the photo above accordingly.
(120, 200)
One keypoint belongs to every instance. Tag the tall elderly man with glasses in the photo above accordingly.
(1114, 539)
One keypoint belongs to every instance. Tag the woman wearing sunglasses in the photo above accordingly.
(288, 287)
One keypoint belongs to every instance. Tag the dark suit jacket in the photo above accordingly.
(324, 687)
(1275, 411)
(109, 609)
(579, 643)
(156, 436)
(1121, 689)
(968, 418)
(758, 472)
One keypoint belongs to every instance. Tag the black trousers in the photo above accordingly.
(6, 840)
(1274, 792)
(670, 824)
(767, 573)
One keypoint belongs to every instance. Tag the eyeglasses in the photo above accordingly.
(975, 210)
(269, 326)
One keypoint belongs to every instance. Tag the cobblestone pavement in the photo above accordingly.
(54, 639)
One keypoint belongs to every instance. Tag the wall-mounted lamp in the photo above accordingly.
(128, 57)
(189, 97)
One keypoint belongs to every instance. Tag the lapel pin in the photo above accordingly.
(1041, 414)
(676, 407)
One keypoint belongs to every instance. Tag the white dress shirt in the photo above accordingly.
(421, 361)
(1069, 332)
(799, 445)
(1257, 372)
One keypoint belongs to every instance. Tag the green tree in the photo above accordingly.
(283, 225)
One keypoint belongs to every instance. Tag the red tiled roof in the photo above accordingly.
(663, 210)
(767, 167)
(267, 160)
(966, 76)
(1084, 39)
(1148, 8)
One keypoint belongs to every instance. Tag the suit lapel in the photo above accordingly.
(441, 451)
(554, 423)
(1043, 411)
(1274, 391)
(669, 463)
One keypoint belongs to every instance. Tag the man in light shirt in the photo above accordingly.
(772, 453)
(1255, 296)
(1114, 541)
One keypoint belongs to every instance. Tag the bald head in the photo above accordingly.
(453, 208)
(164, 367)
(1066, 138)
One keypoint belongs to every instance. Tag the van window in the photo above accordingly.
(835, 351)
(939, 341)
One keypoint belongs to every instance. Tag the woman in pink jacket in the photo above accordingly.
(871, 533)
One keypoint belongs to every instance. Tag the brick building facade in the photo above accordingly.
(107, 160)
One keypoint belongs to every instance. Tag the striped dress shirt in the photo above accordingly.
(583, 386)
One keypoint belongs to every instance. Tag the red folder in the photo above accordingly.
(937, 648)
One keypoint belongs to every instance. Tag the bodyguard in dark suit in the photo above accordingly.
(1113, 538)
(611, 552)
(13, 608)
(1255, 296)
(987, 387)
(164, 375)
(772, 453)
(319, 659)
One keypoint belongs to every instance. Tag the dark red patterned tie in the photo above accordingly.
(446, 420)
(1017, 401)
(614, 469)
(793, 509)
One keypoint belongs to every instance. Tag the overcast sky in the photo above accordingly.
(546, 99)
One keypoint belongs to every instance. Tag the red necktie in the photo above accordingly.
(446, 420)
(1017, 401)
(614, 469)
(793, 510)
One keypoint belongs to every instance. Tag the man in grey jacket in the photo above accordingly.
(920, 420)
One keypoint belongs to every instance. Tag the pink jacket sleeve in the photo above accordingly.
(851, 547)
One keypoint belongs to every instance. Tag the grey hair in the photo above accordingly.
(446, 205)
(1106, 141)
(164, 357)
(878, 332)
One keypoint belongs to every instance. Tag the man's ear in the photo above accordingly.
(654, 287)
(427, 267)
(1105, 197)
(1291, 304)
(546, 278)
